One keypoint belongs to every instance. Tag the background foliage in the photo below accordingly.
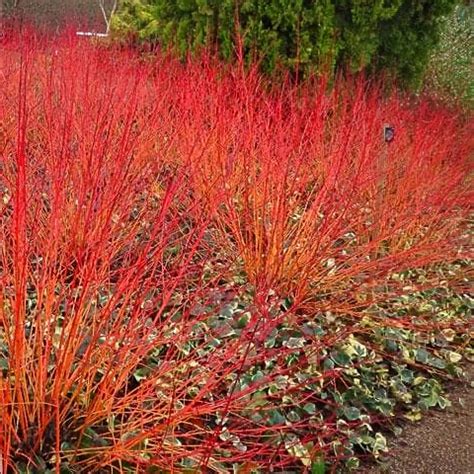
(397, 35)
(450, 70)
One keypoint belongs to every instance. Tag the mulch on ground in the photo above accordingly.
(442, 443)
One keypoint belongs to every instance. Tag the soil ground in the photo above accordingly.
(442, 443)
(57, 14)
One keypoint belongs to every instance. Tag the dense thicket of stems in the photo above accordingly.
(133, 193)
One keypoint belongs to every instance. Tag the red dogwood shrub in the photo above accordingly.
(158, 221)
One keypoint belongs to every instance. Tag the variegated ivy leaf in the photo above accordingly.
(295, 447)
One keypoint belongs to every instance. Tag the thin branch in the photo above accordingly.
(107, 18)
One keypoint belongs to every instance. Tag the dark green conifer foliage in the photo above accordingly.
(303, 35)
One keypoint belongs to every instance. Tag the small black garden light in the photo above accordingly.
(388, 133)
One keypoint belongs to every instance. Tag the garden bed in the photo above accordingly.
(202, 271)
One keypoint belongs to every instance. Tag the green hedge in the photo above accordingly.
(396, 35)
(450, 72)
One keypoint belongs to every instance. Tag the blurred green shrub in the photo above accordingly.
(299, 35)
(450, 72)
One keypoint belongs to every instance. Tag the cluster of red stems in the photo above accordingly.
(133, 188)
